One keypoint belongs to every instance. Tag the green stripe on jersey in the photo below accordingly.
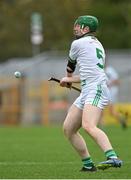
(72, 61)
(97, 96)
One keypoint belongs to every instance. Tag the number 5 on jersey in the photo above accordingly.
(99, 54)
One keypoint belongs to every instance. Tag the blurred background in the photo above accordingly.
(35, 37)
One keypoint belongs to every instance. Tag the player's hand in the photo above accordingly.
(64, 82)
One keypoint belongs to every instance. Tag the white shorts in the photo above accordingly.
(97, 95)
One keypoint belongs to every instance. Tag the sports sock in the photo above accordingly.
(110, 154)
(87, 162)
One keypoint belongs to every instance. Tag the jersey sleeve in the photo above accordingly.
(73, 53)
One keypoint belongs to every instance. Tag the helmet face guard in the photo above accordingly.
(90, 21)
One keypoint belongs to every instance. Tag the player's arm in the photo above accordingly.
(72, 79)
(69, 79)
(75, 79)
(71, 65)
(73, 54)
(115, 82)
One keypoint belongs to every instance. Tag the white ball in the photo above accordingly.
(17, 74)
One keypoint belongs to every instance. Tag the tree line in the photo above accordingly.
(58, 17)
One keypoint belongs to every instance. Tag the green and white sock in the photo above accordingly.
(110, 154)
(87, 162)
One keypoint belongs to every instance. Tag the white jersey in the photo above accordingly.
(89, 54)
(112, 75)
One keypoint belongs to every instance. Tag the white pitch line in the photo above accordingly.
(34, 163)
(42, 163)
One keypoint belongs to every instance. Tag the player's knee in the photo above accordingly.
(88, 128)
(66, 131)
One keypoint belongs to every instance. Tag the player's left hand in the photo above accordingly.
(64, 82)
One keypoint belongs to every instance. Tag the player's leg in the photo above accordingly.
(122, 120)
(120, 117)
(71, 126)
(101, 122)
(90, 119)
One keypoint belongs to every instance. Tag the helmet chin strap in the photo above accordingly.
(88, 33)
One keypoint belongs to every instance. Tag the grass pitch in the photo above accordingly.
(44, 153)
